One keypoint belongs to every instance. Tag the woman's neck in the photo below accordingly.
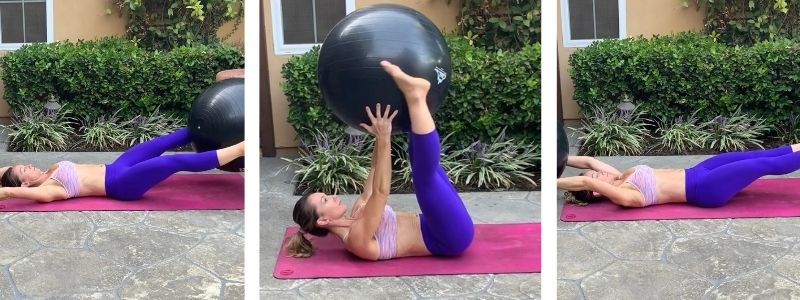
(340, 227)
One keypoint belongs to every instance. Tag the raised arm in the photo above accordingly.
(40, 193)
(591, 163)
(364, 228)
(618, 195)
(362, 200)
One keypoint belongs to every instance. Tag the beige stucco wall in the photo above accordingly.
(644, 17)
(443, 13)
(88, 19)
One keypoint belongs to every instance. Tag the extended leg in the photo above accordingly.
(155, 147)
(729, 157)
(722, 183)
(133, 182)
(446, 226)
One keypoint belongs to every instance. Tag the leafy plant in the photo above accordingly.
(737, 132)
(498, 164)
(604, 133)
(682, 135)
(789, 131)
(331, 165)
(402, 173)
(105, 133)
(501, 24)
(34, 130)
(166, 24)
(145, 128)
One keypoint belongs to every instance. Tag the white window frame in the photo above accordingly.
(277, 29)
(566, 32)
(49, 19)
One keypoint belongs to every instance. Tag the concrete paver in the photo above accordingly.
(277, 203)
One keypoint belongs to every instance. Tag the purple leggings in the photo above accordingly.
(141, 167)
(445, 223)
(713, 182)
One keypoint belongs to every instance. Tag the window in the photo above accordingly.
(25, 21)
(298, 25)
(585, 21)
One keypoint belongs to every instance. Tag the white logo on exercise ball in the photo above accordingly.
(440, 74)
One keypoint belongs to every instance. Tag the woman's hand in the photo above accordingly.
(382, 123)
(3, 193)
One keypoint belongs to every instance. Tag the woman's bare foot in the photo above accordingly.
(413, 88)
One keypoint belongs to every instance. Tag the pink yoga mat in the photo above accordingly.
(178, 192)
(762, 199)
(497, 248)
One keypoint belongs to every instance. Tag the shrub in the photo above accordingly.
(331, 164)
(604, 133)
(498, 164)
(143, 128)
(671, 76)
(105, 133)
(488, 91)
(737, 132)
(682, 135)
(789, 131)
(401, 174)
(111, 74)
(501, 24)
(34, 130)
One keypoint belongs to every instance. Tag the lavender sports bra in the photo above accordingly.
(68, 178)
(387, 234)
(644, 180)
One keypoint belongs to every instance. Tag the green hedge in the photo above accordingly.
(671, 76)
(102, 76)
(488, 91)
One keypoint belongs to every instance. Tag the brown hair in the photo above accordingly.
(306, 216)
(580, 198)
(9, 180)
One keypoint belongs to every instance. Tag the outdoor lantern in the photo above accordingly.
(625, 107)
(52, 107)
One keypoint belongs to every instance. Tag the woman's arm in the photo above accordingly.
(364, 228)
(39, 193)
(618, 195)
(588, 162)
(367, 191)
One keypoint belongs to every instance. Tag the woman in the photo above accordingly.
(373, 230)
(127, 178)
(711, 183)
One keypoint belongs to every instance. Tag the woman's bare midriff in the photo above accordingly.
(92, 178)
(409, 236)
(670, 185)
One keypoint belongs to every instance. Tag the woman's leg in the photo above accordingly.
(153, 148)
(719, 185)
(446, 226)
(729, 157)
(132, 182)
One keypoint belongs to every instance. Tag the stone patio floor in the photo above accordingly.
(678, 259)
(277, 202)
(118, 255)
